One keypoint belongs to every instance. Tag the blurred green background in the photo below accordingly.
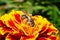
(48, 8)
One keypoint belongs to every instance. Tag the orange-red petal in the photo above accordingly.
(17, 17)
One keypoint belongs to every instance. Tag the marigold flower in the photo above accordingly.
(14, 27)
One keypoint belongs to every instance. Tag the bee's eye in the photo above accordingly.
(31, 22)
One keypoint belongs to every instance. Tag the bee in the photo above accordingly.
(27, 18)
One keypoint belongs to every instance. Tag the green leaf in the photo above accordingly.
(38, 7)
